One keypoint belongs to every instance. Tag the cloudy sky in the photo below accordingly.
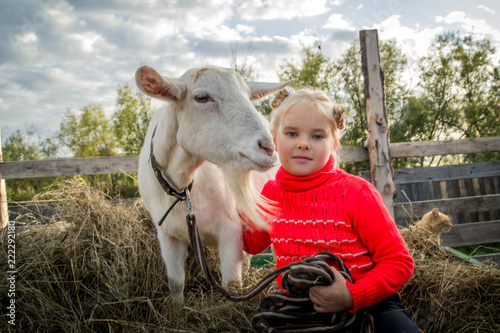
(57, 54)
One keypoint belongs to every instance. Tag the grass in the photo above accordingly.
(474, 250)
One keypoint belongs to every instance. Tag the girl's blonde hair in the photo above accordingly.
(284, 99)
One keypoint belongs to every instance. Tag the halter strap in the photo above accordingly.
(169, 189)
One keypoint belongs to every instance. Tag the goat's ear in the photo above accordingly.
(262, 89)
(153, 84)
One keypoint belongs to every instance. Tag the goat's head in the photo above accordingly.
(217, 121)
(216, 118)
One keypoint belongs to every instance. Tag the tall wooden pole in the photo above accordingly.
(4, 213)
(376, 116)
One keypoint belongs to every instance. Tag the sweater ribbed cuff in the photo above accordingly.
(363, 294)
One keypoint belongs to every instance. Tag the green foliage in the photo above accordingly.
(348, 88)
(459, 92)
(314, 70)
(131, 119)
(264, 106)
(88, 133)
(475, 250)
(457, 82)
(19, 147)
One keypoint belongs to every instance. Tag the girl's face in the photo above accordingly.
(304, 141)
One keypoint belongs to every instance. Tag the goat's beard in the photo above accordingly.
(252, 206)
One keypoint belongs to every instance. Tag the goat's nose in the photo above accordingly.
(267, 147)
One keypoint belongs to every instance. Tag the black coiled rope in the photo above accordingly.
(294, 312)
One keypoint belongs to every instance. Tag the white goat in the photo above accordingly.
(212, 136)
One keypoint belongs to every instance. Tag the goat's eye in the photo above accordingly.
(202, 98)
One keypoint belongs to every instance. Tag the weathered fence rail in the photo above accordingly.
(447, 172)
(451, 206)
(69, 167)
(121, 164)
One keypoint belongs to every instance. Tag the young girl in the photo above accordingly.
(323, 208)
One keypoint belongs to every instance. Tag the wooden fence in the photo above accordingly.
(469, 193)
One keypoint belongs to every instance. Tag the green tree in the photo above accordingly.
(439, 95)
(88, 133)
(349, 87)
(131, 119)
(459, 87)
(314, 70)
(492, 111)
(19, 147)
(475, 78)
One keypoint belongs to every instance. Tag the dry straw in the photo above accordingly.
(97, 267)
(447, 293)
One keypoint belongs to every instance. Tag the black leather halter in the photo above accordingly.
(169, 189)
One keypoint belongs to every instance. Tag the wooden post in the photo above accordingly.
(376, 116)
(4, 213)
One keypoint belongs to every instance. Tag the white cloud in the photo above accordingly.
(245, 29)
(479, 28)
(486, 9)
(414, 42)
(468, 23)
(86, 40)
(252, 10)
(337, 21)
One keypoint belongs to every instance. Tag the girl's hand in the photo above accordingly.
(333, 298)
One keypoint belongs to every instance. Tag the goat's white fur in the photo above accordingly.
(215, 145)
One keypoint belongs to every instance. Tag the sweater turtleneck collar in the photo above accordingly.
(293, 183)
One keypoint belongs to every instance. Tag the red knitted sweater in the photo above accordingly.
(334, 211)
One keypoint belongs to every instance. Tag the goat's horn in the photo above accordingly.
(261, 89)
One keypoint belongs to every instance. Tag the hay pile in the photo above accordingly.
(449, 294)
(98, 268)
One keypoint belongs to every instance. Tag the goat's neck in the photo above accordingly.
(177, 165)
